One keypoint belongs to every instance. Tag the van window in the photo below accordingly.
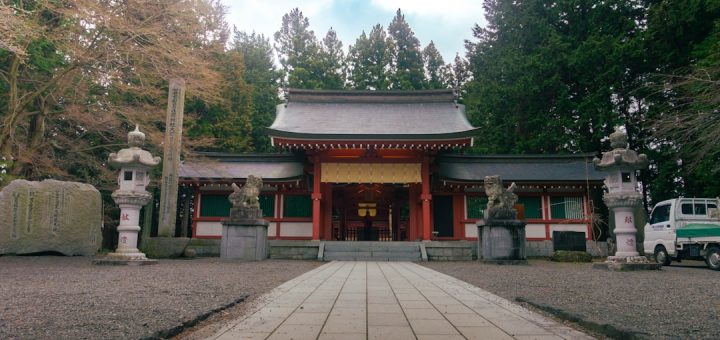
(687, 209)
(660, 214)
(697, 208)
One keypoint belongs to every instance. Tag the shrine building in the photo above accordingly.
(386, 166)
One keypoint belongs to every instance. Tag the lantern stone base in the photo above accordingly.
(124, 259)
(502, 241)
(631, 263)
(244, 239)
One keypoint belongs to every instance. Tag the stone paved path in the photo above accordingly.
(388, 300)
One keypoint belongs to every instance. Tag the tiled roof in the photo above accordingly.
(529, 168)
(368, 115)
(234, 166)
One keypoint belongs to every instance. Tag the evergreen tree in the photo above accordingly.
(369, 60)
(437, 74)
(332, 59)
(262, 77)
(298, 51)
(459, 75)
(682, 96)
(407, 64)
(234, 132)
(567, 62)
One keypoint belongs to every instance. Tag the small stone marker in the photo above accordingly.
(171, 152)
(51, 215)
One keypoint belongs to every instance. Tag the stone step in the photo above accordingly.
(371, 258)
(372, 248)
(372, 251)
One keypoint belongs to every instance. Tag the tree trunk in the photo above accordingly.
(13, 112)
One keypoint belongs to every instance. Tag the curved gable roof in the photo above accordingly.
(368, 115)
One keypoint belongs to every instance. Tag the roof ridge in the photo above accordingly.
(368, 96)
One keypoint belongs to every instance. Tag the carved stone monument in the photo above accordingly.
(244, 233)
(134, 164)
(171, 152)
(502, 235)
(51, 215)
(622, 198)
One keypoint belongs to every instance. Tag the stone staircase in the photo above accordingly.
(371, 251)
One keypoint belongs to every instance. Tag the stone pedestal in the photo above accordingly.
(502, 238)
(127, 251)
(244, 235)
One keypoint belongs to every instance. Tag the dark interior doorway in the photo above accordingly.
(370, 212)
(443, 215)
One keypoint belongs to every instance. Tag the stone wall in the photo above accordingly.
(451, 250)
(293, 250)
(545, 248)
(64, 217)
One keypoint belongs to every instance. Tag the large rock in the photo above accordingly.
(51, 215)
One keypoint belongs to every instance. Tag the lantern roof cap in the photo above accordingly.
(620, 157)
(134, 155)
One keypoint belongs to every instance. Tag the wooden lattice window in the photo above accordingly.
(533, 206)
(566, 207)
(297, 206)
(475, 206)
(214, 205)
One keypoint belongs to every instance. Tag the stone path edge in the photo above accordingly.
(601, 329)
(171, 332)
(264, 299)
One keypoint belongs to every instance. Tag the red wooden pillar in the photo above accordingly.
(425, 197)
(327, 211)
(316, 197)
(413, 227)
(458, 216)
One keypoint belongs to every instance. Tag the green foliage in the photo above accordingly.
(683, 94)
(570, 256)
(562, 62)
(262, 77)
(407, 63)
(298, 51)
(332, 60)
(437, 74)
(368, 60)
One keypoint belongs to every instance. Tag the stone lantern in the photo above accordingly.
(622, 198)
(134, 164)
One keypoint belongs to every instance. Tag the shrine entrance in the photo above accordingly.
(370, 212)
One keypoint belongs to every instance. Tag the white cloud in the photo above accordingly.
(446, 10)
(266, 16)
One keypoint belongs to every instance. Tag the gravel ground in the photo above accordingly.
(48, 297)
(52, 297)
(678, 302)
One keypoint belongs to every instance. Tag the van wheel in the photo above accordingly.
(661, 256)
(713, 258)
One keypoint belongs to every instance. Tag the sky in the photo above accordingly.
(447, 22)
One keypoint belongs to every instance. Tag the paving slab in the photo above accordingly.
(388, 300)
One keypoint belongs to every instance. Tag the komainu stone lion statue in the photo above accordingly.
(498, 196)
(246, 197)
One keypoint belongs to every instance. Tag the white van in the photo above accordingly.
(684, 228)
